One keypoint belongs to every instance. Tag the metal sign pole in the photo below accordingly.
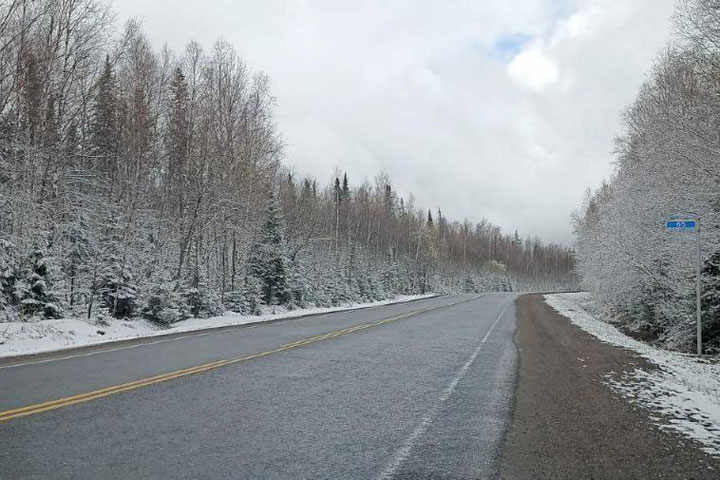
(678, 224)
(697, 291)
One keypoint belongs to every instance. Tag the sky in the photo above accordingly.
(495, 109)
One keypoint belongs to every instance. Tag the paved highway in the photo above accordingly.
(416, 390)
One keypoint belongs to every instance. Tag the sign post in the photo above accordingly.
(692, 225)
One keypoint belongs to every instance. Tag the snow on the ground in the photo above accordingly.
(683, 393)
(20, 338)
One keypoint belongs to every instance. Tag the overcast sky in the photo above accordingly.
(496, 109)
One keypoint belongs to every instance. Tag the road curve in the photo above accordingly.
(416, 390)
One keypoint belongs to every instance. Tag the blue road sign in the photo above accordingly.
(681, 225)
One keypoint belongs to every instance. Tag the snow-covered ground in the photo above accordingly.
(19, 338)
(682, 394)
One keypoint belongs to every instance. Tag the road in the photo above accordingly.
(459, 387)
(416, 390)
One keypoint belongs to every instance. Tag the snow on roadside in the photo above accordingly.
(683, 393)
(21, 338)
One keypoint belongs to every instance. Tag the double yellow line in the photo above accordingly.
(125, 387)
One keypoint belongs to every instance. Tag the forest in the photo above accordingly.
(138, 182)
(667, 164)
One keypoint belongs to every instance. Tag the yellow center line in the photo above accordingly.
(7, 414)
(125, 387)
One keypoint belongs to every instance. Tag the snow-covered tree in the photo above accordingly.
(147, 172)
(8, 278)
(35, 289)
(711, 302)
(165, 304)
(104, 126)
(267, 257)
(118, 290)
(251, 296)
(667, 164)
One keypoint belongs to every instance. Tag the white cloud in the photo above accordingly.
(578, 23)
(532, 68)
(417, 89)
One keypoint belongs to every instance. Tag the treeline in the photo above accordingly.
(139, 182)
(668, 163)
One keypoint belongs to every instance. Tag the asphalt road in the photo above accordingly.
(416, 390)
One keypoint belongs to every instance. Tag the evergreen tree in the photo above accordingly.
(178, 139)
(251, 296)
(103, 129)
(390, 280)
(118, 290)
(267, 259)
(469, 286)
(201, 299)
(165, 305)
(711, 303)
(389, 199)
(8, 277)
(337, 191)
(297, 286)
(345, 193)
(35, 290)
(247, 299)
(76, 258)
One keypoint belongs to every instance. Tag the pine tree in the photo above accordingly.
(201, 299)
(8, 277)
(267, 259)
(338, 201)
(389, 199)
(345, 193)
(711, 303)
(178, 138)
(165, 305)
(103, 129)
(251, 296)
(469, 286)
(118, 290)
(337, 190)
(35, 290)
(78, 253)
(297, 286)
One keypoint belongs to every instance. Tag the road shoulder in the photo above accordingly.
(568, 424)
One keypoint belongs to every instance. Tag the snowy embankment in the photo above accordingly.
(21, 338)
(682, 394)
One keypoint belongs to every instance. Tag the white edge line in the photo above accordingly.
(404, 451)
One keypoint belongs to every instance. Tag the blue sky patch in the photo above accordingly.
(506, 47)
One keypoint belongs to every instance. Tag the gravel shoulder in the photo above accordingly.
(568, 424)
